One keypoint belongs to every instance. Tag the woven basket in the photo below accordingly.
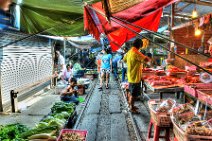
(119, 5)
(161, 119)
(183, 136)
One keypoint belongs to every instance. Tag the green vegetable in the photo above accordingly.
(42, 124)
(62, 106)
(47, 119)
(56, 122)
(65, 114)
(12, 132)
(59, 116)
(34, 131)
(40, 136)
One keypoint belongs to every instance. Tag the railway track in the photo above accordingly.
(101, 117)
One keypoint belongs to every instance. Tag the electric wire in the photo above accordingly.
(159, 35)
(130, 29)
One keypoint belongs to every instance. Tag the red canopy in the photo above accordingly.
(145, 14)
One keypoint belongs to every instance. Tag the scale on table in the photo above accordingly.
(205, 77)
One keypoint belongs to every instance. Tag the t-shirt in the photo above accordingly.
(76, 68)
(68, 74)
(61, 63)
(61, 60)
(134, 60)
(106, 61)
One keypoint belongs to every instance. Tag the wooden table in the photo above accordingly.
(171, 88)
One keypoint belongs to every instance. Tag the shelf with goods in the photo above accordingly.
(159, 81)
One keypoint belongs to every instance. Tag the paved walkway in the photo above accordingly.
(32, 110)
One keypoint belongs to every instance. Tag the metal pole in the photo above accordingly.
(1, 104)
(64, 49)
(171, 31)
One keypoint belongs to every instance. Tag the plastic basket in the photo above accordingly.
(161, 119)
(80, 132)
(183, 136)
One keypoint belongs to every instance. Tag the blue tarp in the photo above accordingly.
(4, 21)
(96, 49)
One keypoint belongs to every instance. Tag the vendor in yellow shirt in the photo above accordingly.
(134, 60)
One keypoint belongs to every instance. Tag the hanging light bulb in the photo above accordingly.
(194, 13)
(197, 32)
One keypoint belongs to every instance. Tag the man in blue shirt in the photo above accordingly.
(106, 67)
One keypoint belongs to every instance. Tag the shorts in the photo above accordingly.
(135, 89)
(105, 71)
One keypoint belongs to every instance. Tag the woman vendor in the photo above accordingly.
(70, 94)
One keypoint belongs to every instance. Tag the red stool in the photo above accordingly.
(157, 130)
(175, 139)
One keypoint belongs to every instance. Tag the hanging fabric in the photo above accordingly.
(145, 14)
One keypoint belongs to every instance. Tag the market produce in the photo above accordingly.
(188, 79)
(174, 69)
(72, 136)
(203, 128)
(207, 65)
(147, 70)
(40, 136)
(159, 81)
(12, 132)
(39, 130)
(165, 106)
(63, 107)
(183, 113)
(191, 70)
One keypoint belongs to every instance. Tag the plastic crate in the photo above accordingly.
(205, 95)
(192, 88)
(79, 132)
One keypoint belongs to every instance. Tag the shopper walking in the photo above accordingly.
(106, 68)
(134, 60)
(123, 66)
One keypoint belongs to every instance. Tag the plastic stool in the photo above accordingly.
(157, 130)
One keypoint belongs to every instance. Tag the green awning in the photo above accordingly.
(60, 17)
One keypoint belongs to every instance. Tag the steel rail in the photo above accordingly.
(85, 107)
(134, 124)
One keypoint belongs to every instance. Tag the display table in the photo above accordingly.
(163, 89)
